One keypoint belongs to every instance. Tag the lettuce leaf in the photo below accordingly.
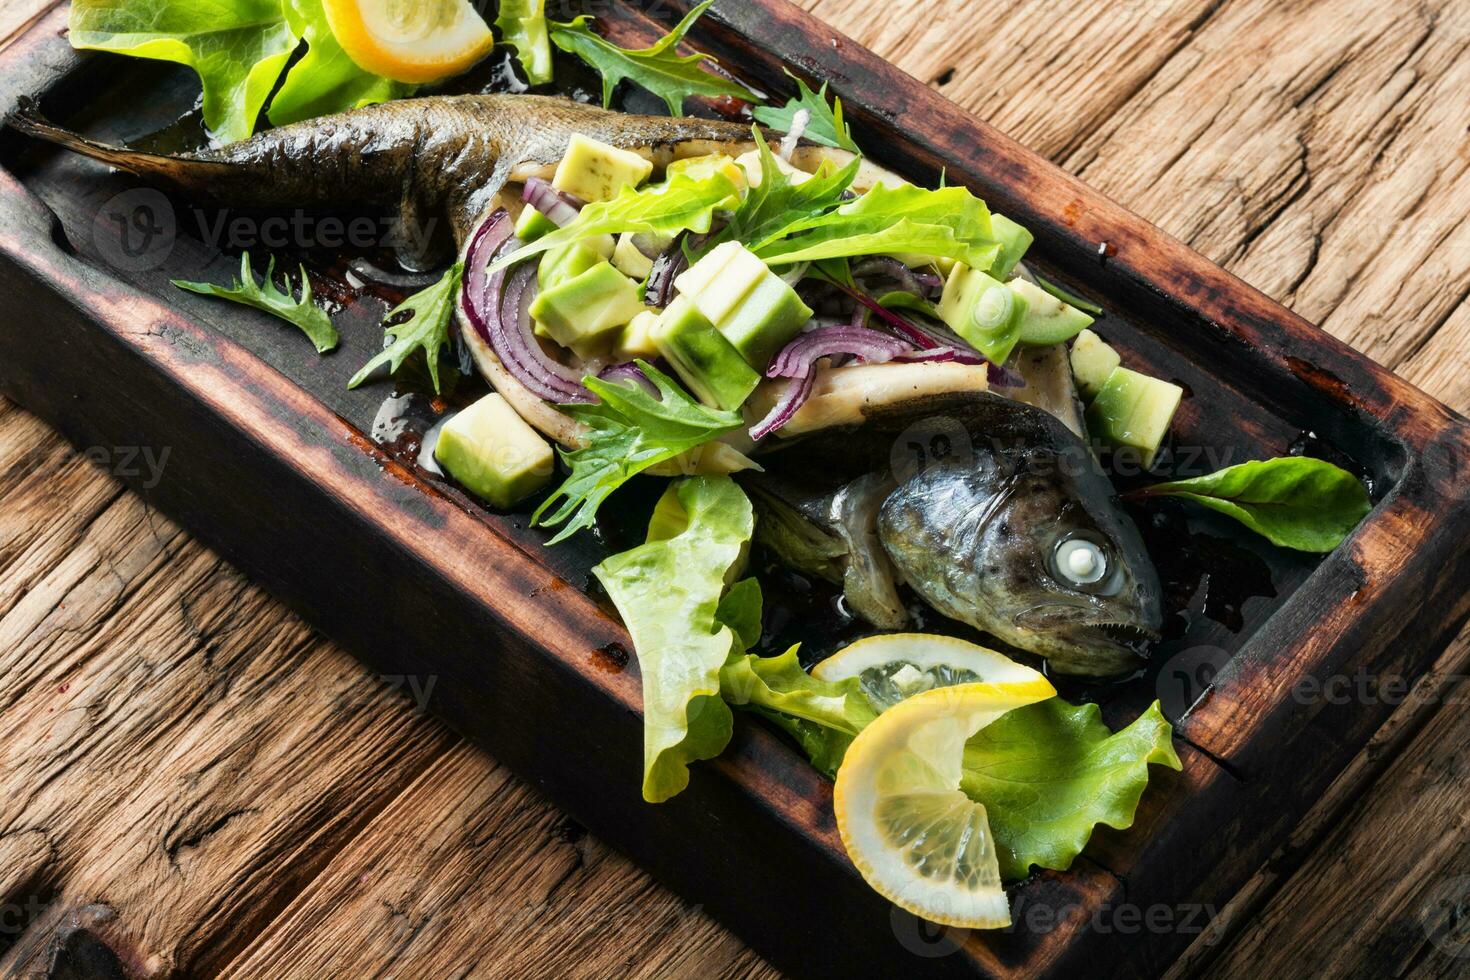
(522, 24)
(825, 124)
(1047, 773)
(682, 203)
(667, 591)
(267, 296)
(325, 80)
(949, 222)
(1050, 772)
(658, 68)
(238, 47)
(630, 430)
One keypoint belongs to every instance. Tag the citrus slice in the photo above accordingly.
(410, 40)
(896, 666)
(916, 838)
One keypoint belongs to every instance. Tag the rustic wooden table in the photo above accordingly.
(194, 781)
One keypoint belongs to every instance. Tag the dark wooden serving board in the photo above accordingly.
(271, 461)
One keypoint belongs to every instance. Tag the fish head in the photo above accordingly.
(1021, 537)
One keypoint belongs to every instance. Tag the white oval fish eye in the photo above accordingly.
(1081, 561)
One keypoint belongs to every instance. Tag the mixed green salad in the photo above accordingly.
(709, 317)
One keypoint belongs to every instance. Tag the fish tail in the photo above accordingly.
(177, 170)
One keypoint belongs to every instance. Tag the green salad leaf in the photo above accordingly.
(427, 327)
(776, 205)
(629, 431)
(682, 203)
(238, 47)
(305, 314)
(658, 68)
(325, 80)
(1047, 773)
(825, 124)
(1293, 501)
(1050, 772)
(667, 591)
(740, 610)
(522, 24)
(950, 223)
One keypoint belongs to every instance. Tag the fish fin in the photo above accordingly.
(181, 170)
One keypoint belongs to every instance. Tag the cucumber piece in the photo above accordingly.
(493, 453)
(705, 361)
(982, 310)
(1093, 359)
(1014, 241)
(1048, 320)
(1134, 411)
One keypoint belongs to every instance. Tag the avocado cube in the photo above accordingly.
(982, 310)
(571, 260)
(636, 338)
(1133, 410)
(532, 224)
(719, 282)
(1048, 320)
(595, 171)
(582, 312)
(630, 260)
(493, 453)
(1093, 360)
(765, 321)
(704, 360)
(1014, 241)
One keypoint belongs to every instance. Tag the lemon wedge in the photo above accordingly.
(915, 837)
(410, 40)
(896, 666)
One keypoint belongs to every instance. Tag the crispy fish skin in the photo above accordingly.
(444, 155)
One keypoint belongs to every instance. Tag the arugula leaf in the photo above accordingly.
(1293, 501)
(1050, 772)
(775, 206)
(657, 68)
(825, 125)
(682, 203)
(668, 591)
(630, 430)
(303, 312)
(325, 80)
(950, 222)
(238, 48)
(522, 24)
(427, 327)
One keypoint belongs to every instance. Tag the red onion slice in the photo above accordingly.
(497, 306)
(795, 396)
(559, 207)
(798, 358)
(628, 372)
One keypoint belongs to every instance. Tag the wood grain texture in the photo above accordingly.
(1267, 135)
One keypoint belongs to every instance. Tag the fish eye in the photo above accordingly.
(1080, 561)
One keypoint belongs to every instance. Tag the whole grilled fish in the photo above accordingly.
(991, 509)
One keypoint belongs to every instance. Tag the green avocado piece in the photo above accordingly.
(1048, 320)
(765, 321)
(567, 262)
(532, 224)
(584, 311)
(1014, 241)
(705, 361)
(1093, 359)
(493, 453)
(982, 310)
(1133, 410)
(630, 260)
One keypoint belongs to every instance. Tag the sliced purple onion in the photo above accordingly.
(669, 265)
(628, 372)
(924, 284)
(795, 396)
(561, 208)
(497, 306)
(798, 358)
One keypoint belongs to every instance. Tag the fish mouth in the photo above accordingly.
(1128, 635)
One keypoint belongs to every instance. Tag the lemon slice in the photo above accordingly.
(410, 40)
(915, 837)
(896, 666)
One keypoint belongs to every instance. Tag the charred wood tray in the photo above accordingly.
(273, 462)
